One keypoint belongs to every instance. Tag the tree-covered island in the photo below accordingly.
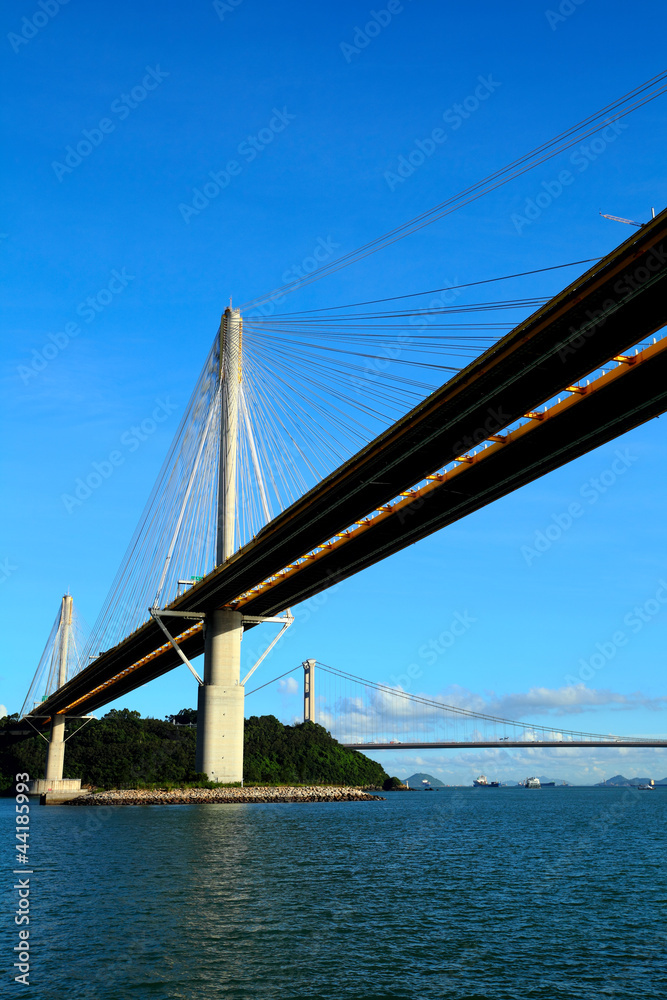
(124, 750)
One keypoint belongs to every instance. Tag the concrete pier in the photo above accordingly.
(57, 791)
(220, 703)
(55, 753)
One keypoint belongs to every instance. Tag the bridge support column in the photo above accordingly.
(55, 754)
(220, 704)
(309, 690)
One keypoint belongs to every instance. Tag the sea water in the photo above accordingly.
(461, 893)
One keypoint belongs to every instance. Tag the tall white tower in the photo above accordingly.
(220, 703)
(309, 690)
(55, 754)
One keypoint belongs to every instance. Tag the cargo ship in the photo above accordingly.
(482, 782)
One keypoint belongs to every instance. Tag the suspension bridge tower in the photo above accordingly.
(309, 690)
(220, 702)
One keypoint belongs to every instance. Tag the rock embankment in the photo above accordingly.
(190, 796)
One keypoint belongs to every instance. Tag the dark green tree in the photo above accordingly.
(122, 750)
(393, 784)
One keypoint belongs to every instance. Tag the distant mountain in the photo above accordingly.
(415, 780)
(619, 781)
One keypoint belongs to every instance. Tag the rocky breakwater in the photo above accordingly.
(223, 796)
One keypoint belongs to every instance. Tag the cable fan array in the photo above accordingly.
(176, 535)
(314, 389)
(66, 642)
(647, 91)
(323, 386)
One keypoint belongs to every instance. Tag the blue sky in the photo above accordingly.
(112, 227)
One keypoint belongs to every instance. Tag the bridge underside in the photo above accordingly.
(505, 744)
(620, 301)
(575, 427)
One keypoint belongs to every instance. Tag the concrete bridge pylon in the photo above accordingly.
(55, 754)
(221, 697)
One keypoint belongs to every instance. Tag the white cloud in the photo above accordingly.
(382, 716)
(571, 700)
(578, 766)
(288, 686)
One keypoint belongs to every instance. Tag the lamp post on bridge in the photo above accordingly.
(220, 701)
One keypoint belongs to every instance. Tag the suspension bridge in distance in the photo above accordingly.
(352, 707)
(368, 716)
(494, 426)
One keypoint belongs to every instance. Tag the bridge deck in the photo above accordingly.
(483, 744)
(611, 307)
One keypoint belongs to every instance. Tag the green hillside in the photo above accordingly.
(123, 750)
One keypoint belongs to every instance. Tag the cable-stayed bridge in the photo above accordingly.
(296, 465)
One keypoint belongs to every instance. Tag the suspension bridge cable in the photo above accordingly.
(473, 307)
(467, 713)
(279, 678)
(539, 154)
(433, 291)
